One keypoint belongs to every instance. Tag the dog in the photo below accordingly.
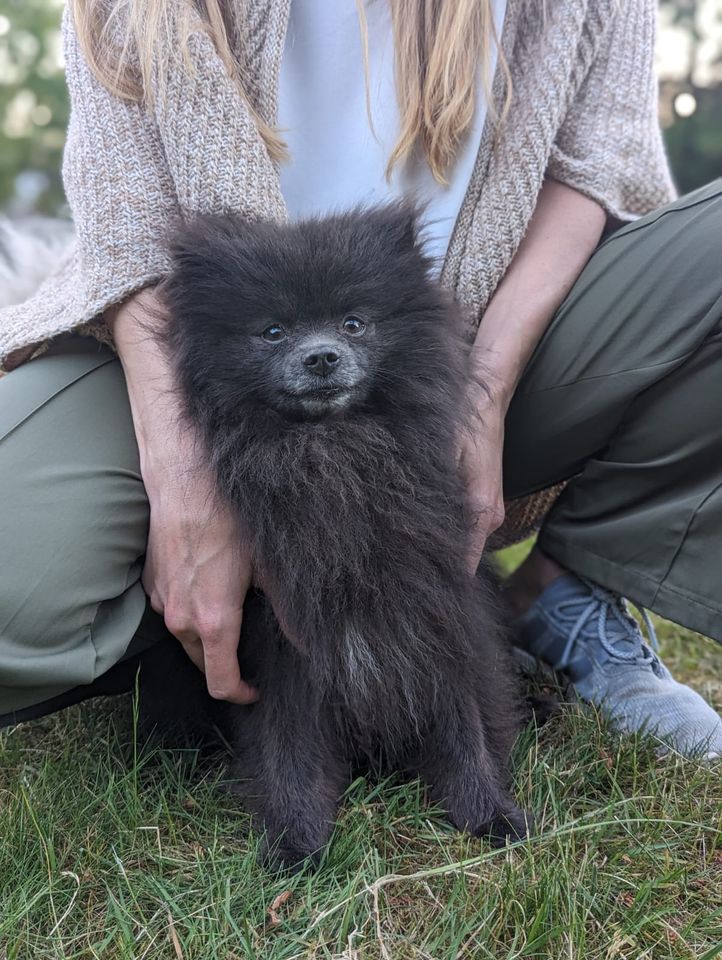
(326, 372)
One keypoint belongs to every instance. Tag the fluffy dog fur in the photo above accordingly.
(326, 371)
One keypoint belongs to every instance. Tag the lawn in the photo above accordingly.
(107, 854)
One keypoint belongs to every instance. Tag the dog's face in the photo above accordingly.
(312, 362)
(308, 320)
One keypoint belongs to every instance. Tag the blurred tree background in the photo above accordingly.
(34, 110)
(33, 106)
(690, 70)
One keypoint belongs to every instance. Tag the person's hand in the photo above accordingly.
(196, 571)
(481, 447)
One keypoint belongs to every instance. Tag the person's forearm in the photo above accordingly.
(564, 231)
(153, 399)
(196, 571)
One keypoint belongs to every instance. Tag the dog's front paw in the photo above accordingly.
(513, 824)
(284, 855)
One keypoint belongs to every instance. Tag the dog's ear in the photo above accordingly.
(203, 242)
(202, 268)
(211, 255)
(398, 223)
(193, 251)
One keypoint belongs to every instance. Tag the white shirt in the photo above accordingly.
(337, 160)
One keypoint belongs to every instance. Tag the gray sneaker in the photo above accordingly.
(588, 634)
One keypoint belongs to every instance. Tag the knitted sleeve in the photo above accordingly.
(122, 199)
(117, 183)
(129, 173)
(610, 145)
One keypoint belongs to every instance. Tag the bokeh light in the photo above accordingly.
(685, 104)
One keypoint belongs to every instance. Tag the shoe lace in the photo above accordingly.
(603, 604)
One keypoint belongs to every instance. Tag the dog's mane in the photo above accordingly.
(357, 522)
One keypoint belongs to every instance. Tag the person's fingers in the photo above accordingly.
(485, 521)
(223, 676)
(213, 648)
(476, 547)
(220, 637)
(225, 681)
(474, 559)
(193, 648)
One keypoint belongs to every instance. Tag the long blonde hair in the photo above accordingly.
(439, 45)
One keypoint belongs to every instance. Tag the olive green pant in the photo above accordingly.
(623, 394)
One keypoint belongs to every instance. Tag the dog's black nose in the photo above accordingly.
(322, 361)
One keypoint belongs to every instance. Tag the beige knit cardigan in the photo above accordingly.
(584, 111)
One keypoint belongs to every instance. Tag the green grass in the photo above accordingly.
(110, 855)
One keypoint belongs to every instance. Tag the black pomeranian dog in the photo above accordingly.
(326, 373)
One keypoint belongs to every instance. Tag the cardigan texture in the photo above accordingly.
(584, 111)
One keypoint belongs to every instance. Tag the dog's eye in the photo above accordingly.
(274, 333)
(354, 326)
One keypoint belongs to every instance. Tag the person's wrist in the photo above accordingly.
(137, 311)
(169, 458)
(491, 396)
(164, 442)
(493, 386)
